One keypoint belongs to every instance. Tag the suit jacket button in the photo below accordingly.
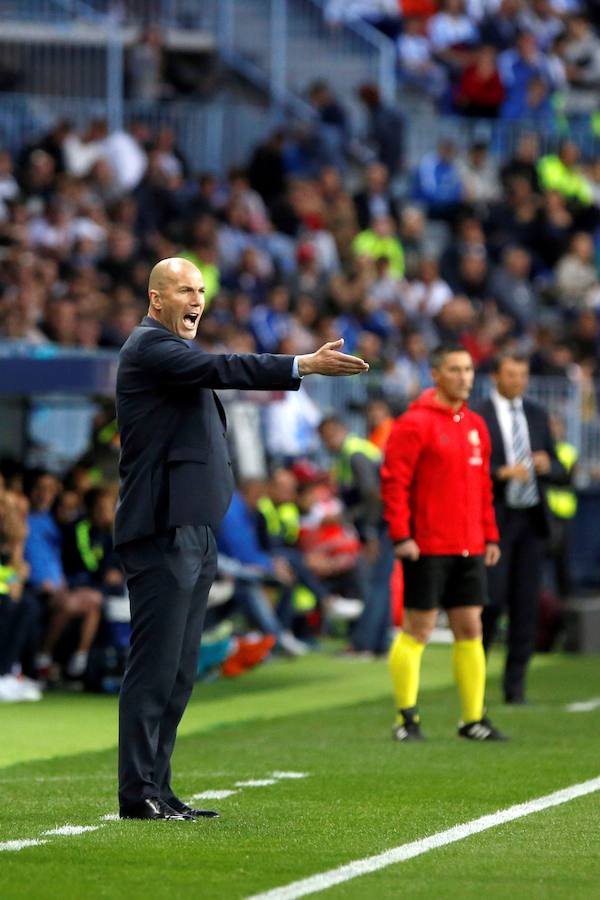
(228, 462)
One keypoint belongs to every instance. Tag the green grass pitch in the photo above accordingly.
(330, 718)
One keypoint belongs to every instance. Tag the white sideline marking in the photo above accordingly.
(358, 867)
(584, 705)
(110, 817)
(256, 782)
(71, 830)
(213, 795)
(18, 845)
(280, 776)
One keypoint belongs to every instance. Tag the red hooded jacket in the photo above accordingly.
(436, 479)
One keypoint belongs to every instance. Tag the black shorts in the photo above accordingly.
(446, 581)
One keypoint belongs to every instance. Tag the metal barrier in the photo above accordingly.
(562, 397)
(215, 136)
(212, 137)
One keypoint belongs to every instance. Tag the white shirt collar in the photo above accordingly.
(503, 402)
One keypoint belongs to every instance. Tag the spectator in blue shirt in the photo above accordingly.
(437, 183)
(43, 553)
(518, 68)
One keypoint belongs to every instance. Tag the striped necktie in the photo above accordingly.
(521, 494)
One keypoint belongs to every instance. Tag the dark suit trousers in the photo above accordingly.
(168, 576)
(514, 586)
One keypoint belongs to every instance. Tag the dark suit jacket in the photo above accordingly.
(540, 438)
(363, 213)
(174, 467)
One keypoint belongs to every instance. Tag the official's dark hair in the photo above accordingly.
(437, 356)
(513, 355)
(331, 420)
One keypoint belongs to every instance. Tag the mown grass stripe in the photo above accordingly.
(355, 869)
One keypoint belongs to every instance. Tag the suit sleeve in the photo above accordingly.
(558, 474)
(402, 452)
(175, 363)
(490, 529)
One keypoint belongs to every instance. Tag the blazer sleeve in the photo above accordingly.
(402, 452)
(174, 363)
(490, 528)
(558, 474)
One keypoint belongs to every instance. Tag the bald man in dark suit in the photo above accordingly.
(175, 486)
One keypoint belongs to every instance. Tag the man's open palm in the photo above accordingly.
(328, 360)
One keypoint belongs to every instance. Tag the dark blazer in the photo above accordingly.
(540, 438)
(174, 467)
(363, 213)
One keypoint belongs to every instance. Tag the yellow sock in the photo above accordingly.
(405, 666)
(468, 666)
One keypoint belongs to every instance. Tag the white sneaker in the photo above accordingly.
(344, 608)
(30, 690)
(13, 690)
(8, 693)
(292, 645)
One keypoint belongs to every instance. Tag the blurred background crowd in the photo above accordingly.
(319, 233)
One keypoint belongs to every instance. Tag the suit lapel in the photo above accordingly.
(498, 451)
(220, 409)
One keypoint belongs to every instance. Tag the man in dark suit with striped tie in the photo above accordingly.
(523, 464)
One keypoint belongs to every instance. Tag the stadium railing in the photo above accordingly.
(27, 372)
(217, 135)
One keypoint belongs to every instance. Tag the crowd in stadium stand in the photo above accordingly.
(302, 245)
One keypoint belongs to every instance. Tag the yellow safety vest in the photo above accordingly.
(8, 576)
(282, 521)
(354, 444)
(555, 176)
(563, 500)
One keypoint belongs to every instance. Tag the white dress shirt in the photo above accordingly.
(504, 414)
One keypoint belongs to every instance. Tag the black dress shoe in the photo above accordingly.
(515, 700)
(181, 807)
(152, 808)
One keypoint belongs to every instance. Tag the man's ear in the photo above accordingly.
(155, 301)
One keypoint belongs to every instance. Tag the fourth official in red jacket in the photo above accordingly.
(438, 501)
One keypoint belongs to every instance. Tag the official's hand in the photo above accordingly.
(541, 462)
(407, 550)
(491, 555)
(328, 360)
(519, 472)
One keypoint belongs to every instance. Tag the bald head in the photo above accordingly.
(176, 295)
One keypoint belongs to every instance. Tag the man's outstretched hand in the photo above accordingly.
(328, 360)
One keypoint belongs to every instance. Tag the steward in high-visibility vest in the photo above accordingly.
(356, 471)
(557, 173)
(282, 521)
(8, 578)
(562, 501)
